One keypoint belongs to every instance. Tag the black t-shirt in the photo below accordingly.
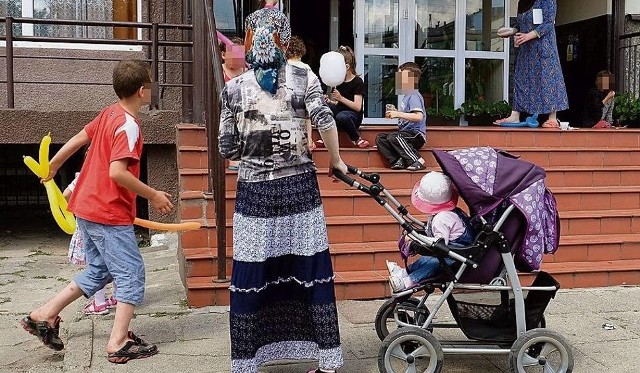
(593, 107)
(349, 90)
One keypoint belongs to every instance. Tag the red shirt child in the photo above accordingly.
(116, 134)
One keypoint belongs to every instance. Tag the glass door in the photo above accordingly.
(454, 41)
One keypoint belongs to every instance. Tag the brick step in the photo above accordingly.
(578, 176)
(542, 156)
(353, 203)
(374, 284)
(365, 256)
(196, 157)
(445, 136)
(501, 138)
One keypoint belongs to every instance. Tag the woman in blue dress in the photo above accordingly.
(538, 82)
(282, 285)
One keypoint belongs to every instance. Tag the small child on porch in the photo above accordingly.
(401, 148)
(294, 54)
(435, 195)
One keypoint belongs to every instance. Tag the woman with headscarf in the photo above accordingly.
(538, 82)
(282, 285)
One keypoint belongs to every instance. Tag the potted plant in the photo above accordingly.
(627, 110)
(446, 116)
(482, 113)
(477, 112)
(500, 109)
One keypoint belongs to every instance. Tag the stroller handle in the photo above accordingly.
(372, 190)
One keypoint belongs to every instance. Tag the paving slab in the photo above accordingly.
(197, 340)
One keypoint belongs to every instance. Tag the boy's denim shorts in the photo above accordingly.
(112, 254)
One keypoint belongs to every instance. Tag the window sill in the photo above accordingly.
(82, 46)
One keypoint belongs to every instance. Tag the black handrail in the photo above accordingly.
(153, 44)
(214, 85)
(629, 36)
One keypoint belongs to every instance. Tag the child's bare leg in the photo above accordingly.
(50, 310)
(120, 330)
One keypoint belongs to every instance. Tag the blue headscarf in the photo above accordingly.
(268, 32)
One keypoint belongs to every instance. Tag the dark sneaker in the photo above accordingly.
(398, 165)
(132, 350)
(416, 166)
(47, 334)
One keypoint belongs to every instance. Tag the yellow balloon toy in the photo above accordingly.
(58, 204)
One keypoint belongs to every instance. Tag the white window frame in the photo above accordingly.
(27, 30)
(407, 52)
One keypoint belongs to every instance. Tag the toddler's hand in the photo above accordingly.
(391, 114)
(161, 203)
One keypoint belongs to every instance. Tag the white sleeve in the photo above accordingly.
(72, 186)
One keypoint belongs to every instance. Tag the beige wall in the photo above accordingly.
(579, 10)
(633, 7)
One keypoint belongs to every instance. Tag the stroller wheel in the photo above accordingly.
(408, 312)
(541, 350)
(410, 350)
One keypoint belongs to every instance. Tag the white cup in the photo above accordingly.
(564, 125)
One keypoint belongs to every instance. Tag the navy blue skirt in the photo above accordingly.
(282, 291)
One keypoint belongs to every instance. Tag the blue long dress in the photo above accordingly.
(538, 82)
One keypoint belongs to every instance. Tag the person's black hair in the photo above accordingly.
(525, 5)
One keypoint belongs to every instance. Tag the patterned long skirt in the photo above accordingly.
(282, 292)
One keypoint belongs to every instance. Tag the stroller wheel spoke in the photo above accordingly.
(529, 361)
(411, 369)
(548, 349)
(548, 369)
(398, 353)
(421, 352)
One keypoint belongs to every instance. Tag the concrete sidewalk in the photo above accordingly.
(33, 268)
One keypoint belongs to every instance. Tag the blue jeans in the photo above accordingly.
(347, 120)
(425, 267)
(112, 253)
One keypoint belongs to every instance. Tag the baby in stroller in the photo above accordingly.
(436, 196)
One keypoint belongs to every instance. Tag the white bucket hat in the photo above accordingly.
(434, 193)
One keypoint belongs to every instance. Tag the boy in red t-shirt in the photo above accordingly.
(104, 206)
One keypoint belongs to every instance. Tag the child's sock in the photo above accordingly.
(99, 297)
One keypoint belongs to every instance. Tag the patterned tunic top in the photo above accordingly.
(267, 132)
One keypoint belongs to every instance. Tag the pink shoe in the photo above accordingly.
(96, 309)
(112, 302)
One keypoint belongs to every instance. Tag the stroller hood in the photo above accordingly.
(486, 178)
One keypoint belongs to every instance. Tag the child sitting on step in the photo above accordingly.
(434, 195)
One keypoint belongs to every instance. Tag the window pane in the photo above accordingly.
(436, 82)
(381, 26)
(91, 10)
(380, 82)
(224, 11)
(11, 8)
(435, 24)
(484, 80)
(484, 18)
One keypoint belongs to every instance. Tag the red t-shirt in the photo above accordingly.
(115, 135)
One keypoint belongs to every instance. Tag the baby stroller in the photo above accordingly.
(516, 219)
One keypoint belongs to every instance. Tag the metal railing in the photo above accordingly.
(201, 82)
(630, 66)
(153, 43)
(214, 86)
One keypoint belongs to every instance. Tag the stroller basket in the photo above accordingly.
(491, 317)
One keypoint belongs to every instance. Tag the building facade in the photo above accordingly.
(59, 86)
